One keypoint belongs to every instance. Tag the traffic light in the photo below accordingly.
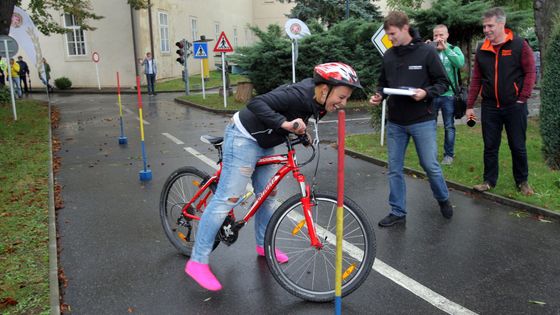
(181, 51)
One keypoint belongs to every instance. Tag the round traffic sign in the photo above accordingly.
(12, 46)
(95, 57)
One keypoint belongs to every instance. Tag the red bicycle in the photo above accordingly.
(303, 226)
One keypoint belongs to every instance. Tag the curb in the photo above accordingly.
(54, 293)
(215, 111)
(112, 90)
(486, 195)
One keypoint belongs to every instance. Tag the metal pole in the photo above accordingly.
(347, 9)
(11, 79)
(202, 78)
(224, 78)
(293, 61)
(186, 68)
(383, 108)
(97, 73)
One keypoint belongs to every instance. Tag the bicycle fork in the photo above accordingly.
(306, 204)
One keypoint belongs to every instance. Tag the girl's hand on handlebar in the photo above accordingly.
(296, 126)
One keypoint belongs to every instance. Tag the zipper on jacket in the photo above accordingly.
(496, 78)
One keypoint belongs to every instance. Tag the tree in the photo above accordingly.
(463, 21)
(269, 60)
(545, 11)
(330, 12)
(550, 112)
(39, 13)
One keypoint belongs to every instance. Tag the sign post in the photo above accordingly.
(223, 46)
(200, 50)
(381, 41)
(295, 29)
(10, 49)
(95, 59)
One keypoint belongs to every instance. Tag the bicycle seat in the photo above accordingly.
(213, 140)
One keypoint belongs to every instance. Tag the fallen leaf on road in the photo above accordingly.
(7, 302)
(208, 299)
(537, 302)
(130, 310)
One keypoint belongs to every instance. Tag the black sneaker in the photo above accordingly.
(446, 209)
(392, 219)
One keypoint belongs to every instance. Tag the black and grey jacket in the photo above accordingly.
(415, 65)
(265, 113)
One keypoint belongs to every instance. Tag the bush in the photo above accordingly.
(269, 62)
(550, 98)
(5, 97)
(63, 83)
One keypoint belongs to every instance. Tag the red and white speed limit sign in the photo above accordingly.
(95, 57)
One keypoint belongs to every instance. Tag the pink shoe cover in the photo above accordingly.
(202, 274)
(281, 257)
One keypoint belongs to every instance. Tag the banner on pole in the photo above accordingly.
(24, 31)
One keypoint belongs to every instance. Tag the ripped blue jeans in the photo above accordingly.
(240, 155)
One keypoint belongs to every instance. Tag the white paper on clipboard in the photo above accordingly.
(406, 92)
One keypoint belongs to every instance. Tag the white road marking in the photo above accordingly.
(172, 138)
(389, 272)
(135, 115)
(348, 119)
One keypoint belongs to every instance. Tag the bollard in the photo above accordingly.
(339, 212)
(145, 174)
(122, 139)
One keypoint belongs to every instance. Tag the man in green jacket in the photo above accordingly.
(453, 60)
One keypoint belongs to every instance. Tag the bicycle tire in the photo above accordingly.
(178, 189)
(287, 231)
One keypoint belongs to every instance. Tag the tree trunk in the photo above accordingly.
(545, 11)
(6, 11)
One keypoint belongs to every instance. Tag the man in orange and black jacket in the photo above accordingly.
(504, 69)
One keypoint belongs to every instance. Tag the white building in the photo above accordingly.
(124, 35)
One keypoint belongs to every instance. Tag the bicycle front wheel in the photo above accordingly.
(178, 190)
(310, 272)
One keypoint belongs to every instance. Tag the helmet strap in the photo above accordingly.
(319, 93)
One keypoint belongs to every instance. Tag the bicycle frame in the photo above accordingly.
(289, 164)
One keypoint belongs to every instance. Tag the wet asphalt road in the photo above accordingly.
(489, 259)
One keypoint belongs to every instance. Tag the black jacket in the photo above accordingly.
(265, 113)
(415, 65)
(23, 68)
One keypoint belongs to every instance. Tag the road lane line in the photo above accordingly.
(202, 157)
(172, 138)
(387, 271)
(135, 115)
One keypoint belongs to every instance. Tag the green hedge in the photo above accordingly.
(270, 65)
(550, 100)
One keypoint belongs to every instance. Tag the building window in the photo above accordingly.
(194, 29)
(247, 37)
(235, 37)
(216, 31)
(163, 32)
(75, 39)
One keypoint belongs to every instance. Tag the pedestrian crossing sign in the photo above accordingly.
(223, 45)
(200, 50)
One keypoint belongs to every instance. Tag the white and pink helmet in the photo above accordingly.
(336, 73)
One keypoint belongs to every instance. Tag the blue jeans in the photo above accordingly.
(151, 78)
(240, 155)
(424, 136)
(17, 87)
(447, 112)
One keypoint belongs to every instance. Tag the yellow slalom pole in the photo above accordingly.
(339, 213)
(122, 139)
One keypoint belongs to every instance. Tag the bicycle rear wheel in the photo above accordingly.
(177, 191)
(310, 272)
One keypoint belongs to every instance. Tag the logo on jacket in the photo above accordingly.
(414, 67)
(506, 52)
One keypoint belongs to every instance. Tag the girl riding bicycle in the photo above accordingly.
(253, 133)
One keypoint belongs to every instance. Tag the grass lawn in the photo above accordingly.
(24, 165)
(467, 168)
(195, 82)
